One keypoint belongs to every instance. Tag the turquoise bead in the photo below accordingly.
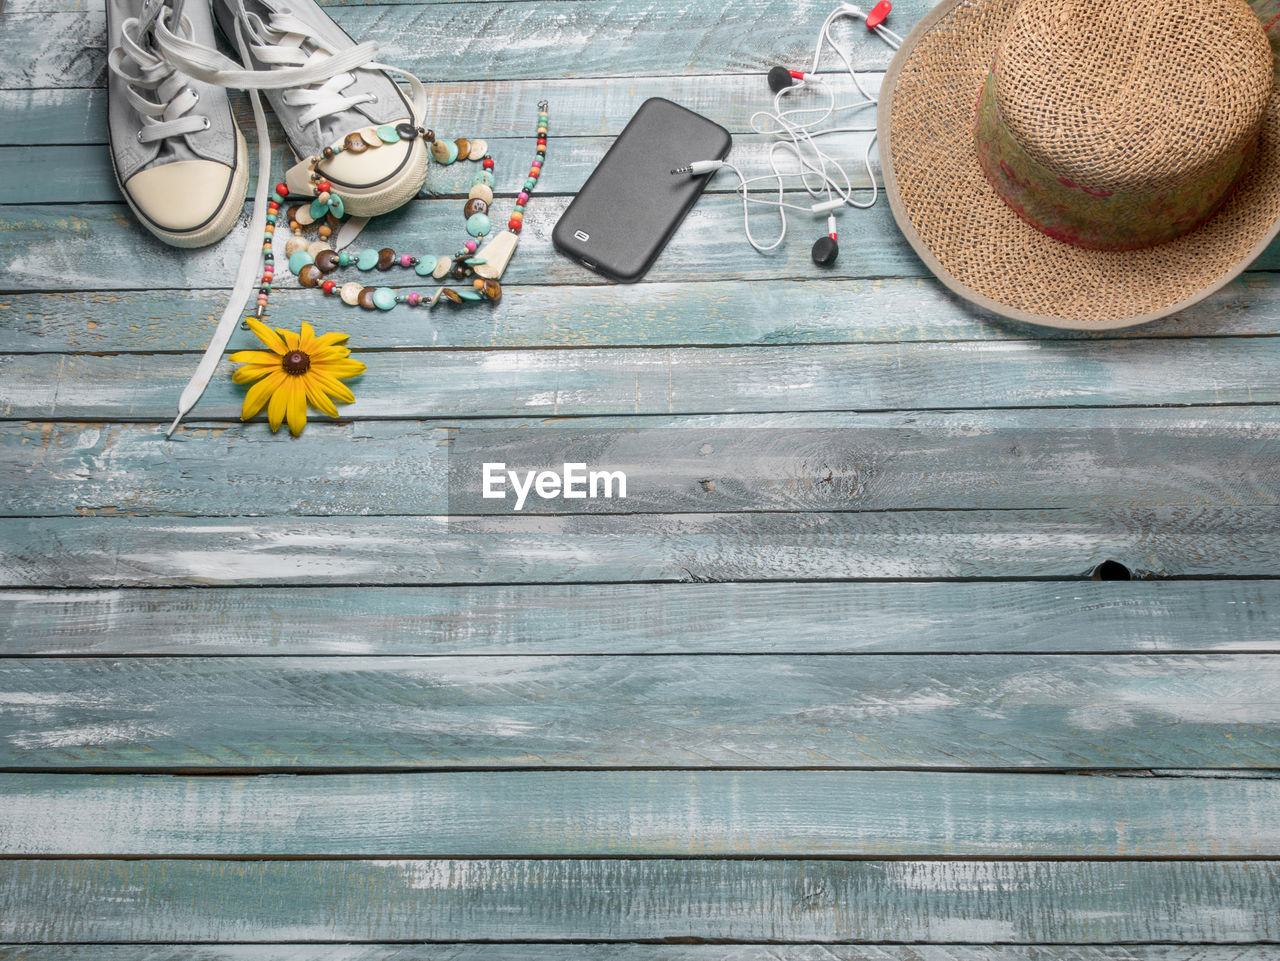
(424, 266)
(319, 208)
(486, 178)
(384, 298)
(344, 259)
(368, 259)
(470, 293)
(453, 152)
(336, 206)
(530, 184)
(299, 260)
(387, 134)
(478, 225)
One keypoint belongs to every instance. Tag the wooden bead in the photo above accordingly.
(326, 231)
(294, 244)
(443, 265)
(475, 206)
(464, 147)
(310, 276)
(493, 290)
(481, 192)
(386, 258)
(370, 137)
(355, 143)
(366, 298)
(350, 293)
(327, 260)
(478, 149)
(316, 246)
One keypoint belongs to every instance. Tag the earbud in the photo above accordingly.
(780, 78)
(825, 249)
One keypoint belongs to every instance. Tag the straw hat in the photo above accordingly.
(1088, 164)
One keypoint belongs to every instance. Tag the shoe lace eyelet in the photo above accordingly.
(195, 95)
(206, 124)
(139, 136)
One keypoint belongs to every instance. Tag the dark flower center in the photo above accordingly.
(296, 362)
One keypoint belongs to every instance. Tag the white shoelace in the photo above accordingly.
(137, 63)
(314, 80)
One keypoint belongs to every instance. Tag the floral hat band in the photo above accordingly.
(1111, 162)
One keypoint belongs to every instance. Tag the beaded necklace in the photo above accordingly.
(311, 262)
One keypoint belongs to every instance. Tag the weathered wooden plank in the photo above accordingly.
(529, 41)
(978, 617)
(524, 549)
(698, 711)
(74, 247)
(595, 107)
(562, 383)
(640, 813)
(83, 172)
(693, 313)
(517, 951)
(830, 462)
(624, 900)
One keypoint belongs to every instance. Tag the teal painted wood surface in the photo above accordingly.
(694, 711)
(831, 462)
(649, 813)
(620, 899)
(865, 377)
(278, 551)
(615, 619)
(711, 313)
(1074, 448)
(632, 952)
(552, 39)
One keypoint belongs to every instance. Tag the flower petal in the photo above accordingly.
(255, 357)
(331, 338)
(329, 353)
(289, 337)
(279, 403)
(259, 393)
(316, 395)
(297, 407)
(344, 368)
(330, 385)
(251, 372)
(306, 336)
(266, 334)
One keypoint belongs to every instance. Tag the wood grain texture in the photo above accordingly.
(829, 462)
(626, 900)
(389, 713)
(281, 551)
(529, 41)
(695, 313)
(602, 381)
(617, 619)
(649, 813)
(65, 248)
(620, 951)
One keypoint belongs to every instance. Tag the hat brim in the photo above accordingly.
(981, 249)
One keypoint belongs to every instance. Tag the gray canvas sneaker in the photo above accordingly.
(178, 155)
(325, 89)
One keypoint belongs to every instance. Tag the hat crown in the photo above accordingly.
(1133, 97)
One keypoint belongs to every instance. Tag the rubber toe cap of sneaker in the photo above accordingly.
(185, 196)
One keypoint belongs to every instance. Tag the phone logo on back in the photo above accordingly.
(581, 235)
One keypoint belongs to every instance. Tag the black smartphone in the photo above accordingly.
(631, 204)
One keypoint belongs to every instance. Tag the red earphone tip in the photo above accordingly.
(878, 13)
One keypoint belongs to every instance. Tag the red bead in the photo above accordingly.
(514, 225)
(488, 163)
(322, 186)
(542, 142)
(328, 286)
(533, 173)
(282, 190)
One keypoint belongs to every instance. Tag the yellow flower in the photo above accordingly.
(299, 368)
